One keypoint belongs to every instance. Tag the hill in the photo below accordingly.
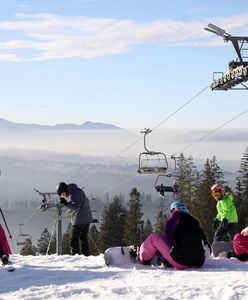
(8, 125)
(84, 278)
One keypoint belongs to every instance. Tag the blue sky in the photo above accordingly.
(129, 63)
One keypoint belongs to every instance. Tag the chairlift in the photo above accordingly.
(95, 216)
(23, 239)
(151, 162)
(94, 212)
(161, 188)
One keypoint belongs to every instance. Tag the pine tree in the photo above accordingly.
(242, 191)
(205, 205)
(161, 219)
(43, 243)
(187, 178)
(112, 225)
(28, 249)
(134, 225)
(148, 229)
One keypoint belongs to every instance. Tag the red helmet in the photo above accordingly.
(217, 187)
(217, 190)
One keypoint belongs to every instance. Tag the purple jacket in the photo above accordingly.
(170, 226)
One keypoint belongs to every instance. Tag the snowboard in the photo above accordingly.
(8, 267)
(119, 256)
(221, 246)
(6, 264)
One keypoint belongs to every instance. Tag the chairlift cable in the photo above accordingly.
(28, 218)
(181, 107)
(115, 186)
(212, 131)
(158, 125)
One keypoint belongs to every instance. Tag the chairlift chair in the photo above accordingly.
(151, 162)
(95, 216)
(162, 189)
(23, 239)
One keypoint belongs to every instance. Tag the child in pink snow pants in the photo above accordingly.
(181, 245)
(4, 246)
(240, 245)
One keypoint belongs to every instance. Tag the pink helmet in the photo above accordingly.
(217, 189)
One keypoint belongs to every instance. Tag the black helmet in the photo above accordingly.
(61, 188)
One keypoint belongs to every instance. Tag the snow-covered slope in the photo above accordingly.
(79, 277)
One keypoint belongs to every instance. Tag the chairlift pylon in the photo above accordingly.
(151, 162)
(23, 239)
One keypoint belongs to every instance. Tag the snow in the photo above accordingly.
(79, 277)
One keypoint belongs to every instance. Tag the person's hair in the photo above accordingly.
(62, 188)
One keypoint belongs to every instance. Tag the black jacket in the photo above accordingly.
(188, 243)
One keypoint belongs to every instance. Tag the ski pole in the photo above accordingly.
(10, 236)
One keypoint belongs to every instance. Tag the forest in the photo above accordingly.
(124, 223)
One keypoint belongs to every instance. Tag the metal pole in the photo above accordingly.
(10, 236)
(59, 231)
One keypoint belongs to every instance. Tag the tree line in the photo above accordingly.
(124, 224)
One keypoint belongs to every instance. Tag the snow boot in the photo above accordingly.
(162, 261)
(5, 259)
(134, 253)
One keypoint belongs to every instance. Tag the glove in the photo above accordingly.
(63, 201)
(224, 224)
(215, 223)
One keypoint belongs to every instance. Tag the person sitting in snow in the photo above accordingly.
(240, 246)
(4, 247)
(226, 219)
(181, 245)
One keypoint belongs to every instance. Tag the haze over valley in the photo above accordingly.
(102, 160)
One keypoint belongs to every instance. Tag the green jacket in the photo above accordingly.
(226, 209)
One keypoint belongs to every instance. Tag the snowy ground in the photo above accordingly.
(78, 277)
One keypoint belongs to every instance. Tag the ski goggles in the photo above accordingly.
(216, 194)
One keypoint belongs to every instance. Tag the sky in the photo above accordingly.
(128, 63)
(78, 277)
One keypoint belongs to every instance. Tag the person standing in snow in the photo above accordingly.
(81, 218)
(4, 247)
(181, 245)
(226, 220)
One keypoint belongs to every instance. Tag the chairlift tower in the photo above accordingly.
(50, 201)
(238, 69)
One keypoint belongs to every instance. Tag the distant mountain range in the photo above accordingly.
(5, 124)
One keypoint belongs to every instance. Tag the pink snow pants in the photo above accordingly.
(153, 243)
(4, 241)
(240, 244)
